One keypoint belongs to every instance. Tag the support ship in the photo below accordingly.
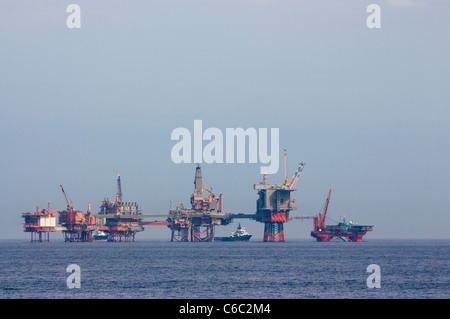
(239, 235)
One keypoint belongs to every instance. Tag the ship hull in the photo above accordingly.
(99, 238)
(237, 238)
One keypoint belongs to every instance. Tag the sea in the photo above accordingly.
(160, 269)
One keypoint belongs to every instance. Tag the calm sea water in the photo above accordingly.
(161, 269)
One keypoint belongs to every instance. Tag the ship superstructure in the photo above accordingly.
(239, 235)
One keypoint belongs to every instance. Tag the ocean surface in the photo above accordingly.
(162, 269)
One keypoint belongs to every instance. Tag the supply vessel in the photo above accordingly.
(239, 235)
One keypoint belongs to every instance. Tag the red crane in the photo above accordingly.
(321, 218)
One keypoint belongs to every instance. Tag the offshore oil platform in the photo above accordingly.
(40, 224)
(343, 230)
(197, 223)
(120, 220)
(274, 204)
(76, 226)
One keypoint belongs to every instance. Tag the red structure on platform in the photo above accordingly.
(76, 226)
(345, 231)
(40, 224)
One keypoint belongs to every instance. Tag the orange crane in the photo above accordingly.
(69, 205)
(77, 226)
(296, 176)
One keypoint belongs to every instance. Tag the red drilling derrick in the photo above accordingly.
(197, 223)
(345, 231)
(40, 224)
(275, 203)
(76, 226)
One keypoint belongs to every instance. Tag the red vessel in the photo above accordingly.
(345, 231)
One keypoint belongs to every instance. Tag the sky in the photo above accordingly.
(367, 109)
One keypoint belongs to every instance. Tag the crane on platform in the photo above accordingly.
(285, 170)
(296, 176)
(209, 191)
(69, 205)
(321, 218)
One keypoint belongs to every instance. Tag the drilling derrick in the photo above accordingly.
(197, 223)
(275, 203)
(76, 226)
(40, 224)
(121, 220)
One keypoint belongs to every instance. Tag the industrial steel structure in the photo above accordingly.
(197, 223)
(120, 220)
(343, 230)
(40, 224)
(76, 226)
(274, 204)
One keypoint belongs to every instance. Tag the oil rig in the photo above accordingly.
(274, 204)
(345, 231)
(76, 226)
(40, 224)
(197, 223)
(120, 220)
(272, 208)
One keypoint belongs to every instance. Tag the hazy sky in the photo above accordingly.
(366, 109)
